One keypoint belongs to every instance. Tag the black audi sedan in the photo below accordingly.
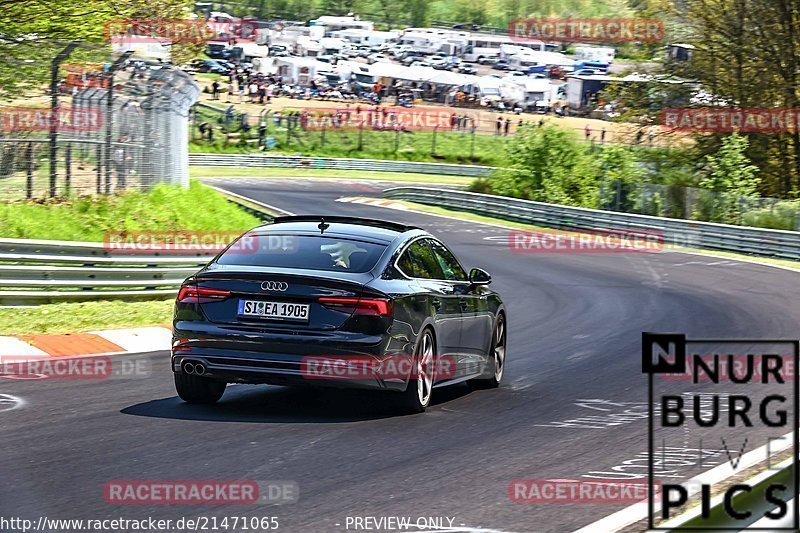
(342, 302)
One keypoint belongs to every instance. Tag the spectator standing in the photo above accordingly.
(215, 90)
(587, 132)
(507, 127)
(499, 125)
(262, 134)
(603, 135)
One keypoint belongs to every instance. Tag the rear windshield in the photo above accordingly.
(303, 252)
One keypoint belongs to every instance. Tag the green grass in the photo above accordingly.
(249, 172)
(90, 218)
(84, 316)
(450, 147)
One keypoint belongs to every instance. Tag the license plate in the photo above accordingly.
(278, 310)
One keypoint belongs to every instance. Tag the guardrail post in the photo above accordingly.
(29, 178)
(472, 145)
(68, 165)
(797, 218)
(99, 157)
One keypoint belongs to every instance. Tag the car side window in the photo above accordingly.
(452, 269)
(419, 261)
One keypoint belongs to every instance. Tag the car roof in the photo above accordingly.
(353, 227)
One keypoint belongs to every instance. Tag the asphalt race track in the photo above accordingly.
(575, 324)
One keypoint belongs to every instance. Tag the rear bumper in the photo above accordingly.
(238, 356)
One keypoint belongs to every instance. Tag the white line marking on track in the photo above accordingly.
(9, 402)
(262, 204)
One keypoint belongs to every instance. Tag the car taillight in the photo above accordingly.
(192, 294)
(360, 306)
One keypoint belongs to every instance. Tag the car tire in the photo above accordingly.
(498, 354)
(417, 396)
(199, 390)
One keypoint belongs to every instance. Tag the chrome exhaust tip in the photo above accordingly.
(199, 369)
(188, 367)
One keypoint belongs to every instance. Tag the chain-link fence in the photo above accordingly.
(699, 204)
(103, 126)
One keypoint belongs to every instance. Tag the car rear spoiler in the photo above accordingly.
(394, 226)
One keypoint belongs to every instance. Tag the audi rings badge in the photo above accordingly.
(274, 286)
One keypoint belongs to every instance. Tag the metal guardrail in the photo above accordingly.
(34, 272)
(276, 161)
(756, 241)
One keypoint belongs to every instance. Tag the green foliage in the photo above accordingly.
(75, 317)
(618, 163)
(450, 147)
(782, 215)
(731, 179)
(33, 33)
(90, 218)
(730, 170)
(547, 164)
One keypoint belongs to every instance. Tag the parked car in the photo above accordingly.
(500, 64)
(588, 72)
(218, 51)
(378, 58)
(466, 68)
(278, 50)
(491, 60)
(209, 65)
(439, 62)
(400, 51)
(388, 301)
(408, 59)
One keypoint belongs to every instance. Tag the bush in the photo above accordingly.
(783, 215)
(547, 164)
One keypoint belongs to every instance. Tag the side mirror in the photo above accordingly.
(479, 277)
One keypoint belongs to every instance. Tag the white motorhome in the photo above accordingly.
(489, 88)
(531, 58)
(365, 37)
(300, 70)
(308, 46)
(603, 54)
(483, 46)
(332, 24)
(333, 45)
(420, 40)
